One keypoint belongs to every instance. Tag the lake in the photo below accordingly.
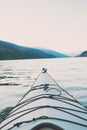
(16, 77)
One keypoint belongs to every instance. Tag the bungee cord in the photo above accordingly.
(19, 110)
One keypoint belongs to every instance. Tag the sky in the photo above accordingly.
(59, 25)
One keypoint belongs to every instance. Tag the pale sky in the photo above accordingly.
(59, 25)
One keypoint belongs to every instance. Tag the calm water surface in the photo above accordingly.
(16, 77)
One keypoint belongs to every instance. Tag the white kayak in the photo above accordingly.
(46, 106)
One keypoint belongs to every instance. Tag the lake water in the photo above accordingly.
(16, 77)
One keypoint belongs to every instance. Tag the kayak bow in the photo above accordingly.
(46, 106)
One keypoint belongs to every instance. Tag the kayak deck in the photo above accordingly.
(46, 105)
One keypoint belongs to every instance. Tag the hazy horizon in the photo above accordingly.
(73, 53)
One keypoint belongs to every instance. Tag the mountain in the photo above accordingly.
(83, 54)
(9, 51)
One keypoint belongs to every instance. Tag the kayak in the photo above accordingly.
(46, 106)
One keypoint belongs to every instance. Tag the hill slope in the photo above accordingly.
(83, 54)
(10, 51)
